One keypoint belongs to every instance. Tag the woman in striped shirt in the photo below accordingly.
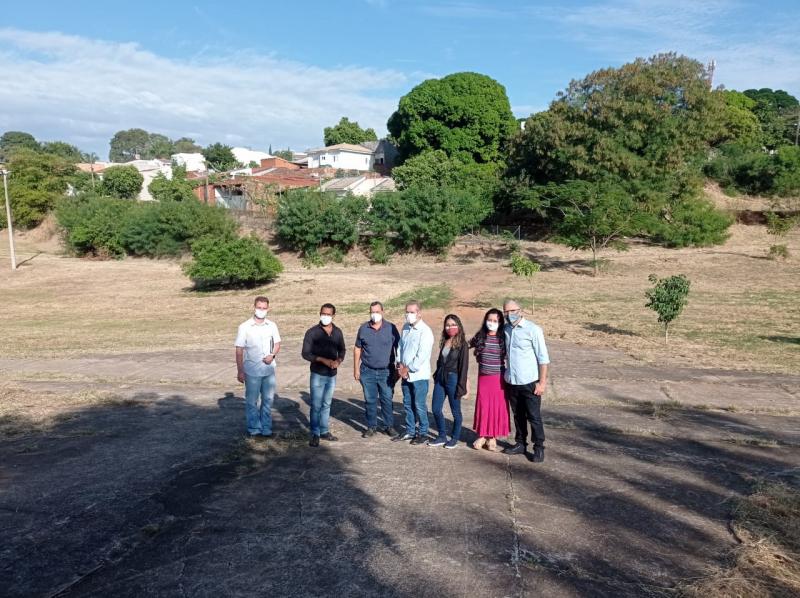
(491, 409)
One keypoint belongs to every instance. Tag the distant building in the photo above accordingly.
(194, 162)
(246, 156)
(343, 156)
(359, 185)
(384, 154)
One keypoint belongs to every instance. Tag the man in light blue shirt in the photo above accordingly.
(414, 367)
(527, 362)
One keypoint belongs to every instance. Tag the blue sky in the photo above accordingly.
(256, 74)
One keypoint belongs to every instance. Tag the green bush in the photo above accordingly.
(229, 261)
(428, 218)
(778, 251)
(175, 189)
(105, 226)
(380, 250)
(124, 182)
(693, 222)
(308, 220)
(751, 170)
(93, 224)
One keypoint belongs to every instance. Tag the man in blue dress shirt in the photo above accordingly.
(527, 361)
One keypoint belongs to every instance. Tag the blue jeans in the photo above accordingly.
(375, 384)
(414, 396)
(447, 385)
(259, 419)
(321, 397)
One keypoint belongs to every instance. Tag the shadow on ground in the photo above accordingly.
(161, 496)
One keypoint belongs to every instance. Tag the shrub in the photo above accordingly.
(752, 170)
(428, 218)
(93, 224)
(175, 189)
(105, 226)
(230, 261)
(778, 251)
(667, 298)
(124, 182)
(693, 222)
(380, 250)
(308, 220)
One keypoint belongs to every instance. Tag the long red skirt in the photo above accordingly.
(491, 409)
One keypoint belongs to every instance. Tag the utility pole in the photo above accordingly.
(4, 172)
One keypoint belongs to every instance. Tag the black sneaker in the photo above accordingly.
(329, 437)
(390, 431)
(419, 440)
(517, 449)
(314, 441)
(368, 433)
(402, 437)
(267, 435)
(537, 456)
(437, 442)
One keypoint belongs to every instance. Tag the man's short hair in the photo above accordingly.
(508, 300)
(374, 303)
(261, 299)
(330, 306)
(414, 302)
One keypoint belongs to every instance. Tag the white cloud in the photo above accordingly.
(81, 90)
(748, 54)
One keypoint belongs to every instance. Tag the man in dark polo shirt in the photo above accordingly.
(374, 367)
(323, 346)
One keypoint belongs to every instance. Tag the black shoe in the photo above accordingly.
(329, 437)
(390, 431)
(402, 437)
(419, 440)
(537, 456)
(314, 441)
(517, 449)
(368, 433)
(269, 435)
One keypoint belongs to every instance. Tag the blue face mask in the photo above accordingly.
(513, 318)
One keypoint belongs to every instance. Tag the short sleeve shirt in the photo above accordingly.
(258, 341)
(378, 347)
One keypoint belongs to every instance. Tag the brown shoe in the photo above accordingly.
(479, 442)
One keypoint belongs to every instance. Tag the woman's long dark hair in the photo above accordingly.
(458, 340)
(478, 342)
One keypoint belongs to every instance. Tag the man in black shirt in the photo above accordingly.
(323, 346)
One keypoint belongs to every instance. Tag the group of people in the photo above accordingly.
(510, 351)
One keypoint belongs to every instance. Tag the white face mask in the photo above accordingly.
(325, 320)
(411, 318)
(375, 317)
(260, 313)
(492, 326)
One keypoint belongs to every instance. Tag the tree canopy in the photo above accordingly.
(466, 115)
(124, 182)
(126, 145)
(12, 141)
(220, 157)
(643, 128)
(347, 131)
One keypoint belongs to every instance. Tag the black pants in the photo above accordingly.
(526, 407)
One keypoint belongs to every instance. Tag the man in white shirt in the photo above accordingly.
(414, 367)
(257, 344)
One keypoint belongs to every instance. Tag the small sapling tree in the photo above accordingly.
(525, 268)
(667, 298)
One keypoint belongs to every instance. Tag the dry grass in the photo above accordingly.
(743, 312)
(767, 563)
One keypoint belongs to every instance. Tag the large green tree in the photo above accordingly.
(63, 149)
(644, 127)
(347, 131)
(12, 141)
(124, 182)
(35, 183)
(127, 145)
(186, 145)
(466, 115)
(220, 157)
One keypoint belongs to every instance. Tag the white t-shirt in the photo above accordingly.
(258, 341)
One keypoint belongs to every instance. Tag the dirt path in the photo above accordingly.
(155, 493)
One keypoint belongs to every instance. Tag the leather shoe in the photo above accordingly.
(537, 456)
(314, 441)
(517, 449)
(329, 437)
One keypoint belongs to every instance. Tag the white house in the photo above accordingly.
(245, 156)
(194, 162)
(345, 156)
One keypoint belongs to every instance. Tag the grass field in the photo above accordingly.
(743, 311)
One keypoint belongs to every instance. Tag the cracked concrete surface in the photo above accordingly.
(161, 495)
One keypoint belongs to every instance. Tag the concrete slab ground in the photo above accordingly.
(162, 496)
